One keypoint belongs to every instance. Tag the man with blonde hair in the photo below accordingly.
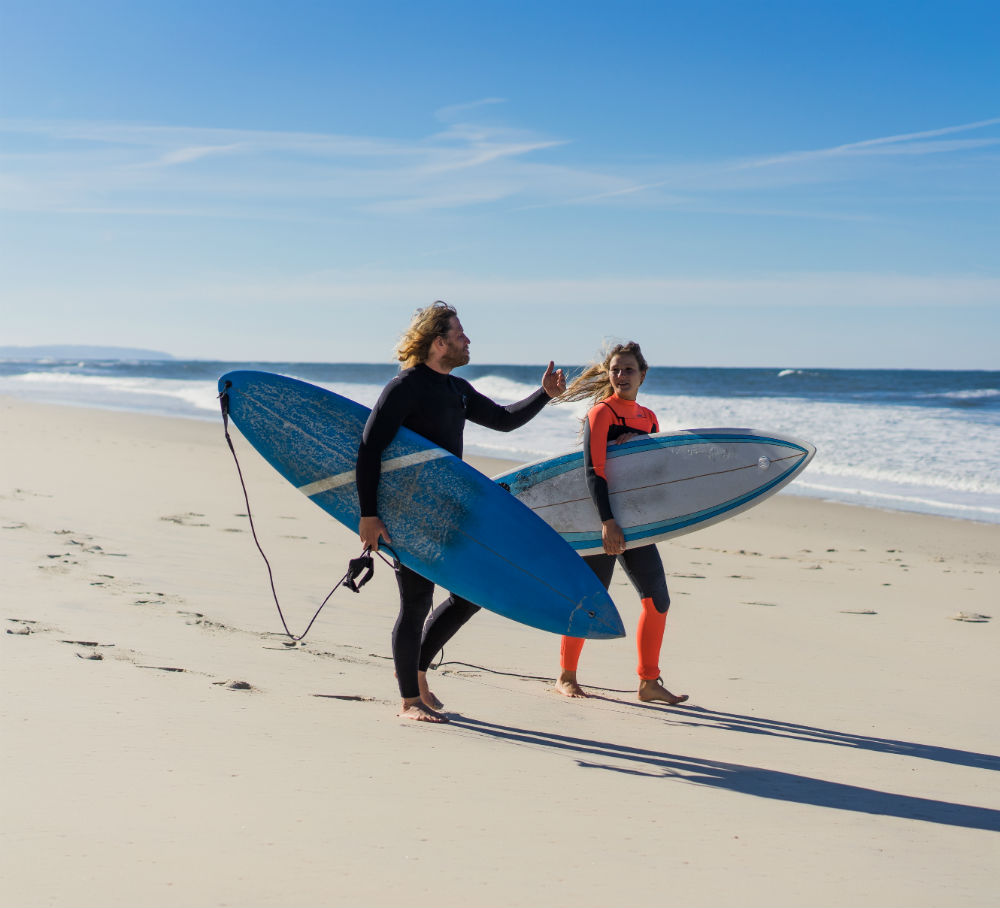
(428, 399)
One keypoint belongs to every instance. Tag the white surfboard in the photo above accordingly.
(661, 485)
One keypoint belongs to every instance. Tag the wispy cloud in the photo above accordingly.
(196, 153)
(906, 143)
(72, 164)
(80, 165)
(456, 111)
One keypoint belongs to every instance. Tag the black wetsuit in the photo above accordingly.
(437, 407)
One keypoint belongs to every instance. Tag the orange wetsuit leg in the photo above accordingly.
(569, 653)
(648, 640)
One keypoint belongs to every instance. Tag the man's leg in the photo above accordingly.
(415, 597)
(444, 623)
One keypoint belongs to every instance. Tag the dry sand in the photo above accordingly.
(163, 744)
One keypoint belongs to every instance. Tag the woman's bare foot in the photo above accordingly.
(654, 691)
(426, 695)
(413, 709)
(567, 685)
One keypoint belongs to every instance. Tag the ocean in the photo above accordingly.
(905, 440)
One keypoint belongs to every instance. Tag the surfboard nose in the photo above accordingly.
(596, 618)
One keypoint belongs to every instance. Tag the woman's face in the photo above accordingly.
(623, 370)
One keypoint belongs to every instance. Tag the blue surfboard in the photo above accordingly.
(448, 522)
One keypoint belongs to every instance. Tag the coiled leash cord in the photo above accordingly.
(355, 567)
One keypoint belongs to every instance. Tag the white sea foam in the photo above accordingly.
(935, 459)
(172, 396)
(970, 394)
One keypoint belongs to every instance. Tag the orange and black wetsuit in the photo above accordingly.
(607, 421)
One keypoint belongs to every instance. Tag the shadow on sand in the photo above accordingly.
(697, 716)
(763, 783)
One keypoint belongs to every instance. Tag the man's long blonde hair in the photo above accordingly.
(431, 322)
(594, 383)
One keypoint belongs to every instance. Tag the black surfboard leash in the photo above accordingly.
(362, 567)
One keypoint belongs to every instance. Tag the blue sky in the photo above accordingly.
(730, 183)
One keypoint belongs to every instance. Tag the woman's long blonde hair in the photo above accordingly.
(594, 383)
(431, 322)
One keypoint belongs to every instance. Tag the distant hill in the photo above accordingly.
(80, 351)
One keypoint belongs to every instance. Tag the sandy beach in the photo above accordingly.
(164, 744)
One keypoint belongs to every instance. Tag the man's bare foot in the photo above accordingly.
(413, 709)
(567, 685)
(426, 694)
(653, 691)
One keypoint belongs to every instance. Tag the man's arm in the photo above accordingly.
(488, 413)
(380, 429)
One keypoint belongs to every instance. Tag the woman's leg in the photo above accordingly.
(569, 657)
(645, 570)
(649, 639)
(571, 647)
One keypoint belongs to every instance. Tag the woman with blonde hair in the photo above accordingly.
(615, 417)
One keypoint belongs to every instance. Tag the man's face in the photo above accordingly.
(457, 352)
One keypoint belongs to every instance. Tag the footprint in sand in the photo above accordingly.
(26, 627)
(235, 685)
(190, 519)
(91, 653)
(58, 564)
(96, 549)
(197, 619)
(22, 494)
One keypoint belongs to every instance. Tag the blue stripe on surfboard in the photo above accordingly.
(546, 470)
(632, 534)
